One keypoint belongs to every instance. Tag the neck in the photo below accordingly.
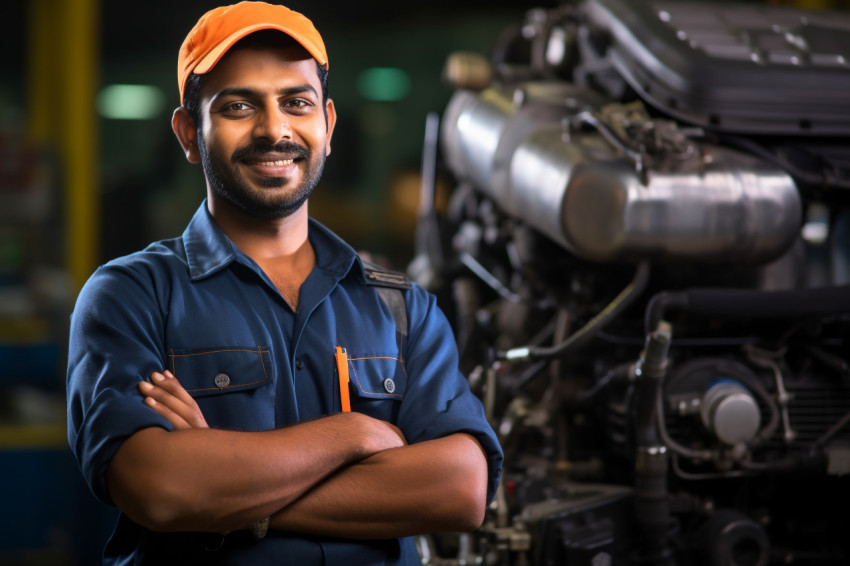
(279, 246)
(259, 238)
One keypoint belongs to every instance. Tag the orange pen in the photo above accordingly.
(342, 370)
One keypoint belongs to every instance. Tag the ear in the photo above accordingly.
(331, 111)
(184, 128)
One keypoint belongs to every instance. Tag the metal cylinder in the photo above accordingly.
(730, 412)
(580, 191)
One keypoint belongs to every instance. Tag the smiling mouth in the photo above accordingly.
(278, 163)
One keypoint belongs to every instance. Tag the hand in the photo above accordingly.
(377, 435)
(165, 395)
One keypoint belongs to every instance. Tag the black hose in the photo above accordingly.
(620, 303)
(750, 303)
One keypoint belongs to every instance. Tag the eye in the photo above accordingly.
(235, 109)
(297, 105)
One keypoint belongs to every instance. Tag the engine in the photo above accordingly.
(646, 258)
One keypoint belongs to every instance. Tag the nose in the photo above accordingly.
(272, 125)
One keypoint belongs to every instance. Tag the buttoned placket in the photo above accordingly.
(315, 291)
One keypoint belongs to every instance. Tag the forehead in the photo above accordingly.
(262, 68)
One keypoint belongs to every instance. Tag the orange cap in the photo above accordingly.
(220, 28)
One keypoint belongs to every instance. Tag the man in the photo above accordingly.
(251, 393)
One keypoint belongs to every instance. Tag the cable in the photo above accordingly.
(622, 301)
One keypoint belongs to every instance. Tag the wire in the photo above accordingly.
(622, 301)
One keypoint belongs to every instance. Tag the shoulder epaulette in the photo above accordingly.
(389, 285)
(376, 275)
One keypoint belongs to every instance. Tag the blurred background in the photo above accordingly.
(90, 170)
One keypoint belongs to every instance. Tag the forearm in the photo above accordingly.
(215, 480)
(438, 485)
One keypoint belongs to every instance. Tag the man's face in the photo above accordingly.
(263, 136)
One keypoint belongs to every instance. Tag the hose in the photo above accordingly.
(622, 301)
(751, 303)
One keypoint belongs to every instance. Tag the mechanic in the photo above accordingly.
(253, 392)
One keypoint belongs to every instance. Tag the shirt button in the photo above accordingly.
(222, 380)
(299, 365)
(389, 385)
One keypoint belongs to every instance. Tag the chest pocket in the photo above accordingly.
(232, 385)
(377, 385)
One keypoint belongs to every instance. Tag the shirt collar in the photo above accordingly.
(209, 250)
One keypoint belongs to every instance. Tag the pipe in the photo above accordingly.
(651, 498)
(750, 303)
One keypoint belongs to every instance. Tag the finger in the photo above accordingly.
(172, 385)
(165, 412)
(194, 415)
(164, 398)
(170, 392)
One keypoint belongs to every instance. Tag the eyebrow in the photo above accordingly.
(253, 93)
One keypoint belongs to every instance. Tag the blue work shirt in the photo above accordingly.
(200, 307)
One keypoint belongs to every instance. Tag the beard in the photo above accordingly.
(225, 182)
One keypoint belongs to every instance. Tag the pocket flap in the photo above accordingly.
(378, 377)
(220, 370)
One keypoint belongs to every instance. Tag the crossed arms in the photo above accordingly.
(347, 475)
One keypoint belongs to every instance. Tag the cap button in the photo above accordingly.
(222, 380)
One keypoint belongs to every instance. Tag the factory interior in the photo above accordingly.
(90, 170)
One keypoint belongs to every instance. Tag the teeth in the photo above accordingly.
(278, 163)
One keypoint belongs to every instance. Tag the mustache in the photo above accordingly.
(260, 150)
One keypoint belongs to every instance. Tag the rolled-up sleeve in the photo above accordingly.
(438, 401)
(115, 342)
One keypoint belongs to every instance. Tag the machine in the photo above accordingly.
(646, 258)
